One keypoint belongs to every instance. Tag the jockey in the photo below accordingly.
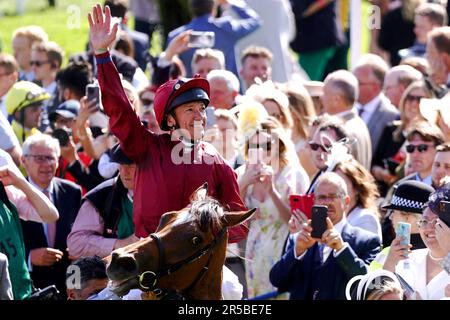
(169, 166)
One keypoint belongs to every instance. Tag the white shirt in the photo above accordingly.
(369, 108)
(8, 138)
(427, 180)
(3, 106)
(415, 273)
(50, 196)
(365, 219)
(51, 88)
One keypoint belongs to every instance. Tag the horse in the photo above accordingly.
(184, 258)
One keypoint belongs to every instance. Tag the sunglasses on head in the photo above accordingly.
(315, 146)
(265, 145)
(421, 148)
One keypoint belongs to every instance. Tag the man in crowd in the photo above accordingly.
(256, 62)
(224, 88)
(396, 81)
(24, 103)
(340, 92)
(19, 199)
(22, 41)
(422, 141)
(205, 60)
(227, 30)
(374, 108)
(45, 243)
(93, 278)
(319, 268)
(438, 55)
(170, 167)
(46, 60)
(105, 220)
(440, 172)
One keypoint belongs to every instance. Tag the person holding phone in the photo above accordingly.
(227, 29)
(318, 267)
(271, 172)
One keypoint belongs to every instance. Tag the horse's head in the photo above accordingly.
(187, 249)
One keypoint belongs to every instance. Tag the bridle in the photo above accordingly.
(148, 279)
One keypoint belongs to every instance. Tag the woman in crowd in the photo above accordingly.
(363, 194)
(390, 154)
(303, 112)
(270, 174)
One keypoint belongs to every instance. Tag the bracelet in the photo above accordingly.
(100, 51)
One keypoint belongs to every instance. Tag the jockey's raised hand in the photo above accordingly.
(102, 34)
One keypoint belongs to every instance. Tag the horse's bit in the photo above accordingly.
(148, 279)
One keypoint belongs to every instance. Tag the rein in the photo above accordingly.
(148, 279)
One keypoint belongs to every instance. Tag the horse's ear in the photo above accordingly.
(233, 218)
(201, 193)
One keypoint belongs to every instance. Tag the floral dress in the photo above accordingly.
(267, 234)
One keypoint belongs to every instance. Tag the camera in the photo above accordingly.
(63, 136)
(46, 294)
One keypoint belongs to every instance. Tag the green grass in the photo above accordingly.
(66, 24)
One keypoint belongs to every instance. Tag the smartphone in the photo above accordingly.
(444, 212)
(318, 221)
(201, 39)
(93, 93)
(302, 202)
(403, 229)
(255, 156)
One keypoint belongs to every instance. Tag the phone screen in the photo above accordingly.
(319, 221)
(200, 39)
(93, 93)
(403, 229)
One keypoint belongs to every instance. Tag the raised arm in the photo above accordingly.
(41, 205)
(124, 122)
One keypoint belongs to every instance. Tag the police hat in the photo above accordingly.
(439, 203)
(410, 196)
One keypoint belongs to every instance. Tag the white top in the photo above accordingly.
(415, 275)
(8, 138)
(369, 108)
(365, 219)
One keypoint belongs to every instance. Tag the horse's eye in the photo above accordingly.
(196, 241)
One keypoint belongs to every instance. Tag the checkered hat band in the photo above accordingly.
(402, 202)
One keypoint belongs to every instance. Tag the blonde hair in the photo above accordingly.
(32, 33)
(302, 108)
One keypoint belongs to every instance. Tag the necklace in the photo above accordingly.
(433, 258)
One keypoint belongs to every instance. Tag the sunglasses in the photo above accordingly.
(421, 148)
(414, 98)
(265, 146)
(315, 146)
(38, 63)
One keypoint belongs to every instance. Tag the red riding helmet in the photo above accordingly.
(176, 92)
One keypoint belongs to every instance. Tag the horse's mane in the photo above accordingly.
(208, 213)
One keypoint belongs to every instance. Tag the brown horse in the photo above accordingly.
(184, 258)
